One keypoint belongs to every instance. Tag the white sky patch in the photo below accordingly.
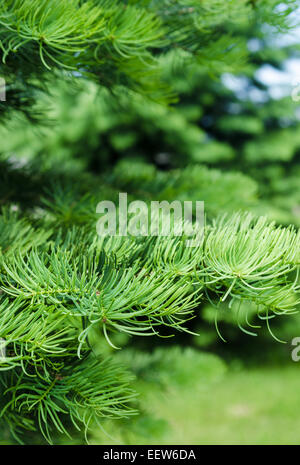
(280, 83)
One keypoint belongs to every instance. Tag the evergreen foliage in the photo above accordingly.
(87, 117)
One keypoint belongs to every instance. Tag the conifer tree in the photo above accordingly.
(76, 73)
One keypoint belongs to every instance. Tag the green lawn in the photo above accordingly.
(247, 406)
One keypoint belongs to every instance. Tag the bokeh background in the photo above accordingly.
(230, 140)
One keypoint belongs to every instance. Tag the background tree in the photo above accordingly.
(104, 97)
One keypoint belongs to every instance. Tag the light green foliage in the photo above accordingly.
(90, 78)
(220, 191)
(113, 42)
(54, 298)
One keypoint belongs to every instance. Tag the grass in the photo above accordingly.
(244, 406)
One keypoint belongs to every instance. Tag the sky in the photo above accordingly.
(280, 83)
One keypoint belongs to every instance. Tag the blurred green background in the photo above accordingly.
(232, 141)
